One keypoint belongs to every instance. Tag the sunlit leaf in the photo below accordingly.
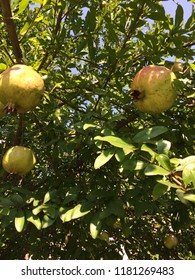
(19, 220)
(116, 142)
(95, 226)
(152, 170)
(78, 211)
(103, 158)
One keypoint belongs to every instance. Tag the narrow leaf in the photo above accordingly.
(152, 170)
(34, 220)
(47, 221)
(190, 197)
(116, 142)
(149, 133)
(179, 15)
(76, 212)
(95, 226)
(103, 158)
(19, 220)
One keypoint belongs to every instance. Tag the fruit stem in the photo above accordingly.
(19, 131)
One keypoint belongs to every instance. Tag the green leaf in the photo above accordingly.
(90, 20)
(152, 170)
(116, 142)
(164, 161)
(33, 219)
(132, 164)
(19, 220)
(179, 15)
(103, 158)
(95, 226)
(48, 196)
(47, 221)
(149, 133)
(115, 207)
(78, 211)
(89, 125)
(159, 190)
(186, 161)
(147, 149)
(163, 146)
(180, 193)
(22, 6)
(190, 22)
(168, 183)
(190, 197)
(5, 202)
(16, 199)
(188, 174)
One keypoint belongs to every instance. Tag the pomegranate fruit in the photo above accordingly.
(21, 88)
(152, 89)
(18, 160)
(170, 241)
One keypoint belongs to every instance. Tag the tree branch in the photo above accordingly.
(7, 15)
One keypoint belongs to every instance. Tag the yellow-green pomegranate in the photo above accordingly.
(170, 241)
(152, 89)
(21, 88)
(18, 160)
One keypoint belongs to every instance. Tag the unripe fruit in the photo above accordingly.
(152, 89)
(21, 88)
(170, 241)
(18, 160)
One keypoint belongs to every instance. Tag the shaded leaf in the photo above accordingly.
(163, 146)
(164, 161)
(159, 190)
(180, 193)
(149, 133)
(179, 15)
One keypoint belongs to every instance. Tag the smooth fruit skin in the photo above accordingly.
(155, 87)
(18, 160)
(170, 241)
(21, 87)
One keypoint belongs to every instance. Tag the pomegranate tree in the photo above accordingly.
(18, 160)
(153, 90)
(21, 88)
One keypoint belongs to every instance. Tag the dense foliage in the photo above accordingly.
(109, 179)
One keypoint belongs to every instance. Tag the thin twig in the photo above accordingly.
(7, 15)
